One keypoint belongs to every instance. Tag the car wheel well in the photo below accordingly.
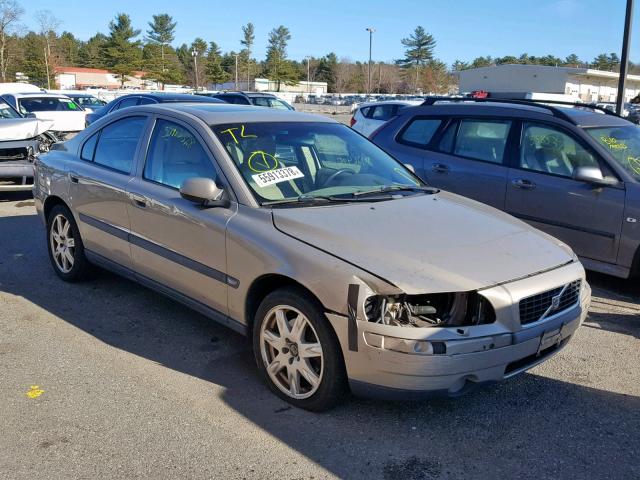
(635, 264)
(263, 286)
(51, 202)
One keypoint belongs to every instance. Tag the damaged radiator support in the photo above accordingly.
(430, 310)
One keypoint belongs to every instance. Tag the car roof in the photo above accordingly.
(172, 97)
(38, 94)
(230, 113)
(391, 102)
(581, 117)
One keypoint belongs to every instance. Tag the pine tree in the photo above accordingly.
(278, 68)
(121, 52)
(248, 38)
(213, 66)
(418, 50)
(161, 34)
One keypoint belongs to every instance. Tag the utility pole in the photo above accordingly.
(194, 53)
(46, 63)
(370, 30)
(624, 60)
(236, 81)
(308, 75)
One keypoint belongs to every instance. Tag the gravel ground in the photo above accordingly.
(133, 385)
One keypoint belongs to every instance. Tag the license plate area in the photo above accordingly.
(550, 338)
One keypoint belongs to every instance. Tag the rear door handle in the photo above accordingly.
(138, 200)
(440, 168)
(523, 184)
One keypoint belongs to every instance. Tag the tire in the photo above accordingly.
(308, 353)
(65, 247)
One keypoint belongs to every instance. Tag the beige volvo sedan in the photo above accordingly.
(347, 271)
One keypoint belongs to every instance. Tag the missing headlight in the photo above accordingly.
(430, 310)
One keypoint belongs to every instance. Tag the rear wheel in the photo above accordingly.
(297, 351)
(65, 247)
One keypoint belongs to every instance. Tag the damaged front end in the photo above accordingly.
(456, 309)
(17, 158)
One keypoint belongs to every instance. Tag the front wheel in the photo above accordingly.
(297, 352)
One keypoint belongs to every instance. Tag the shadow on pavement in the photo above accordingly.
(528, 427)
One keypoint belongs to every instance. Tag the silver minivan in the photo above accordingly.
(346, 270)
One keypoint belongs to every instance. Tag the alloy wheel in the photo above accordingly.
(291, 352)
(62, 243)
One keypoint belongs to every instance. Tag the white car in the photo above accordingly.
(67, 116)
(368, 117)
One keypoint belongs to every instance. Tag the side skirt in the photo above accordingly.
(168, 291)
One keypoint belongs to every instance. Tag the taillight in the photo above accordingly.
(353, 121)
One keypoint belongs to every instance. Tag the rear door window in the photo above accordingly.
(146, 101)
(420, 131)
(118, 142)
(127, 102)
(482, 139)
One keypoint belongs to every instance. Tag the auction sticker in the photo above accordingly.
(276, 176)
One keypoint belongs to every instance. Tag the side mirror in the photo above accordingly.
(204, 191)
(408, 166)
(31, 115)
(592, 175)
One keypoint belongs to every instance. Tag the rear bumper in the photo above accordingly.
(380, 367)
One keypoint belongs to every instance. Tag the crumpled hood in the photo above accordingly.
(22, 128)
(64, 121)
(427, 243)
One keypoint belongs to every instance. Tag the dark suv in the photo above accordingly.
(252, 98)
(573, 172)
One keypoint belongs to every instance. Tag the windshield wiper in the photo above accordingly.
(397, 188)
(302, 199)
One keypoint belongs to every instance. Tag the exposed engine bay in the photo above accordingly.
(430, 310)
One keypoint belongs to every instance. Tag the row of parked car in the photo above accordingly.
(39, 119)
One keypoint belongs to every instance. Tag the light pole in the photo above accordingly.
(236, 82)
(194, 54)
(624, 61)
(370, 30)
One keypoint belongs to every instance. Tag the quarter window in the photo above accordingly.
(118, 142)
(383, 112)
(548, 150)
(89, 148)
(175, 155)
(482, 139)
(420, 131)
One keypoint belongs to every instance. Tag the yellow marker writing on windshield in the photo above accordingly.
(233, 135)
(261, 161)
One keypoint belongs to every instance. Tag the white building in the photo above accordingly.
(265, 85)
(588, 84)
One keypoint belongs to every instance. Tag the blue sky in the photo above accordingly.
(463, 29)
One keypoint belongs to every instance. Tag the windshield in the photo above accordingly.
(46, 104)
(7, 111)
(623, 144)
(288, 161)
(88, 101)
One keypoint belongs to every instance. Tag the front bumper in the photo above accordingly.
(16, 176)
(393, 362)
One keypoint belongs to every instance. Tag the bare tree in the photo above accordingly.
(49, 25)
(10, 13)
(343, 73)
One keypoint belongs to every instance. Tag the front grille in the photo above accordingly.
(9, 154)
(542, 305)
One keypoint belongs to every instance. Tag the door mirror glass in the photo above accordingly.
(592, 175)
(203, 191)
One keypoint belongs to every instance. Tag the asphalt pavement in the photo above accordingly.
(106, 379)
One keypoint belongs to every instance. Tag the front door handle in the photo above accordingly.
(138, 200)
(73, 177)
(523, 184)
(440, 168)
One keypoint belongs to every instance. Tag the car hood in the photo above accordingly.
(427, 243)
(64, 121)
(22, 128)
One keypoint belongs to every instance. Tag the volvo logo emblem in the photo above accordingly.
(555, 302)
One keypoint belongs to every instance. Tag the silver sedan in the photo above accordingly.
(344, 267)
